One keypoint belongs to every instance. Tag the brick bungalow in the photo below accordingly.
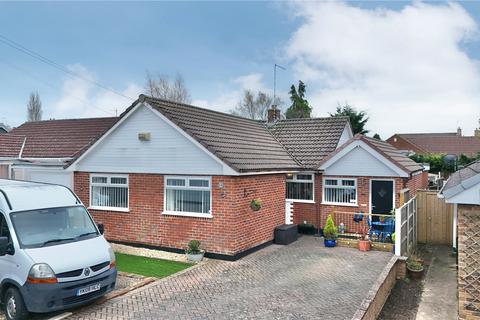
(165, 173)
(463, 190)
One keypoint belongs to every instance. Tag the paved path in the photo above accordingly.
(301, 281)
(439, 297)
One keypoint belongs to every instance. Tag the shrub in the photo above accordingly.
(306, 228)
(330, 231)
(414, 263)
(193, 247)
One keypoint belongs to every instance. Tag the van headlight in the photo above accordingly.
(41, 273)
(113, 262)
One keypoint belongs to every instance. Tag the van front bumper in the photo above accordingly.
(62, 295)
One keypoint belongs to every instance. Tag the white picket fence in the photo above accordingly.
(406, 228)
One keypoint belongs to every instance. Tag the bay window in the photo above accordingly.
(109, 192)
(340, 191)
(300, 187)
(188, 196)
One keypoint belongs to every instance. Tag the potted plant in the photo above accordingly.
(330, 233)
(255, 204)
(415, 266)
(194, 253)
(364, 241)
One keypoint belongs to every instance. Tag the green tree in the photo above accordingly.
(358, 119)
(377, 136)
(300, 107)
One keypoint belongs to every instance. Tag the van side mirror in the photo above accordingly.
(4, 246)
(101, 228)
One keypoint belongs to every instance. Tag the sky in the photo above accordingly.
(412, 66)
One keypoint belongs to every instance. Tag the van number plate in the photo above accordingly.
(92, 288)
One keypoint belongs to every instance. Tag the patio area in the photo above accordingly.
(303, 280)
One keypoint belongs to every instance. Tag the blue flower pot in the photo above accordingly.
(330, 243)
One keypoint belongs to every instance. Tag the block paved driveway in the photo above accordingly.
(303, 280)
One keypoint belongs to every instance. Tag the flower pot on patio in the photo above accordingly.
(194, 253)
(330, 243)
(415, 267)
(195, 257)
(415, 273)
(364, 245)
(330, 233)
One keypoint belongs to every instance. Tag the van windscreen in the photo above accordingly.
(47, 227)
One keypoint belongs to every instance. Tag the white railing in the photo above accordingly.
(406, 228)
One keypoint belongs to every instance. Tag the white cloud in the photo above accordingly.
(81, 98)
(407, 68)
(232, 92)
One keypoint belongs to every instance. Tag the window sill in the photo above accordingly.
(188, 214)
(300, 201)
(125, 210)
(340, 204)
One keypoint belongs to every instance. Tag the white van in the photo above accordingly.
(52, 255)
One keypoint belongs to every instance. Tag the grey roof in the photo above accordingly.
(386, 150)
(310, 140)
(245, 145)
(462, 179)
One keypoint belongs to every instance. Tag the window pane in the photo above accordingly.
(339, 195)
(99, 179)
(304, 177)
(188, 200)
(330, 182)
(300, 190)
(175, 182)
(350, 183)
(116, 197)
(199, 183)
(118, 180)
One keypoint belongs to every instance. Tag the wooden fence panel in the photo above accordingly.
(434, 220)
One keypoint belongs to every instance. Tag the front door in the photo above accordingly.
(381, 197)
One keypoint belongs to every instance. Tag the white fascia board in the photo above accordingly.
(73, 166)
(227, 170)
(373, 152)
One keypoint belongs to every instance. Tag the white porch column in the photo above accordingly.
(454, 231)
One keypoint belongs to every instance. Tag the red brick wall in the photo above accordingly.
(233, 228)
(418, 181)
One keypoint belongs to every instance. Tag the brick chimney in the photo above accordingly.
(273, 114)
(459, 131)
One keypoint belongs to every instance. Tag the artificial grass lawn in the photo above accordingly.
(148, 267)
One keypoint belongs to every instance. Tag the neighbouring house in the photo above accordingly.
(165, 173)
(463, 190)
(437, 143)
(40, 150)
(4, 128)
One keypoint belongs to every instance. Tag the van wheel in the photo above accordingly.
(14, 306)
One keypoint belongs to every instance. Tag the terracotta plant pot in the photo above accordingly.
(364, 245)
(415, 274)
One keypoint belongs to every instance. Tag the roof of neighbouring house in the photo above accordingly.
(59, 138)
(10, 145)
(310, 140)
(447, 143)
(462, 179)
(245, 145)
(385, 149)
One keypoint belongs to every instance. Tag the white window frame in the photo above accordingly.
(108, 184)
(294, 179)
(187, 187)
(340, 186)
